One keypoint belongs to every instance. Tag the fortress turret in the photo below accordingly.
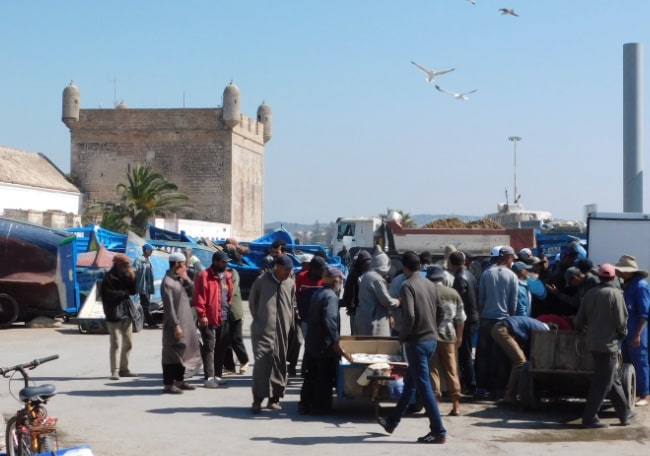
(71, 104)
(231, 105)
(265, 117)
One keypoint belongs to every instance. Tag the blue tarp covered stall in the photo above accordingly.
(37, 272)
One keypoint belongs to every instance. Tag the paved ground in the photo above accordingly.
(132, 417)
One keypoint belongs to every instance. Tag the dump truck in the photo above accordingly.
(367, 232)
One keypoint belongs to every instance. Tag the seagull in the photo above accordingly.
(431, 74)
(459, 96)
(472, 2)
(508, 11)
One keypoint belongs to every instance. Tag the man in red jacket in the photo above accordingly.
(213, 288)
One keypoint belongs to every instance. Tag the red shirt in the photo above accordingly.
(305, 288)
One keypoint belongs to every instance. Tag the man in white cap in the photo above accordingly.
(497, 299)
(180, 344)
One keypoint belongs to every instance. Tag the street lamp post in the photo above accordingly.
(515, 139)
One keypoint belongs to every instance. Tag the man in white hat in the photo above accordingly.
(180, 344)
(497, 299)
(637, 301)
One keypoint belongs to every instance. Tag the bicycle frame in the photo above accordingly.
(31, 421)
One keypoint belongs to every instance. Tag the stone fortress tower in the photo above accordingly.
(214, 155)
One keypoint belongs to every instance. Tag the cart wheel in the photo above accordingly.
(528, 395)
(8, 310)
(628, 379)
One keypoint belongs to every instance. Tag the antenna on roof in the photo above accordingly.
(114, 91)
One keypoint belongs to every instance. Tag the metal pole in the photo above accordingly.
(515, 139)
(632, 127)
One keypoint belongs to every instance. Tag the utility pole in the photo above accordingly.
(515, 139)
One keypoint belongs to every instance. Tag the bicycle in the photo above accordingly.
(31, 431)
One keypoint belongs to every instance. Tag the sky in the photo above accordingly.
(356, 128)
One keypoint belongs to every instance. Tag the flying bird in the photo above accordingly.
(508, 11)
(459, 96)
(431, 74)
(472, 2)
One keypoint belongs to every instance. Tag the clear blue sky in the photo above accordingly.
(356, 127)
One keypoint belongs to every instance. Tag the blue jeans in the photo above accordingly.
(417, 379)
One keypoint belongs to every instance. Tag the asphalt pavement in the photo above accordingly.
(131, 416)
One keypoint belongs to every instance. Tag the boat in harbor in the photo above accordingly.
(514, 215)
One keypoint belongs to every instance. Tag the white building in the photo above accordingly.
(30, 183)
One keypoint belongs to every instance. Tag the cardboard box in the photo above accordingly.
(349, 372)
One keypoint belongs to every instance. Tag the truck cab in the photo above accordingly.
(358, 233)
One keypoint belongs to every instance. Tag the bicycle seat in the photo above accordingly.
(41, 391)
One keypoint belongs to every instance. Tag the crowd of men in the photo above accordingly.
(496, 303)
(472, 318)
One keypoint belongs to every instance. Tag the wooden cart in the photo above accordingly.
(561, 365)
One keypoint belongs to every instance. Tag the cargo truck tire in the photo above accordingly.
(8, 310)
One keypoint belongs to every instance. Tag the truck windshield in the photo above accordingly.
(345, 229)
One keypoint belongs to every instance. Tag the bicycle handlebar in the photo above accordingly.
(30, 365)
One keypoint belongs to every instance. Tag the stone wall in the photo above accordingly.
(220, 169)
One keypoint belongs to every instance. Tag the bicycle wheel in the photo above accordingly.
(18, 444)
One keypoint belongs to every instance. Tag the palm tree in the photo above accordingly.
(146, 195)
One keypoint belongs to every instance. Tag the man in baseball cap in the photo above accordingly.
(604, 315)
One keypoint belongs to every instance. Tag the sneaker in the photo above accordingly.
(220, 380)
(172, 390)
(256, 407)
(628, 419)
(186, 386)
(127, 373)
(211, 383)
(641, 403)
(243, 368)
(115, 376)
(383, 422)
(432, 438)
(594, 425)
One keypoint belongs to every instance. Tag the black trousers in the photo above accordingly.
(465, 359)
(295, 342)
(606, 381)
(213, 348)
(320, 378)
(144, 302)
(236, 344)
(173, 373)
